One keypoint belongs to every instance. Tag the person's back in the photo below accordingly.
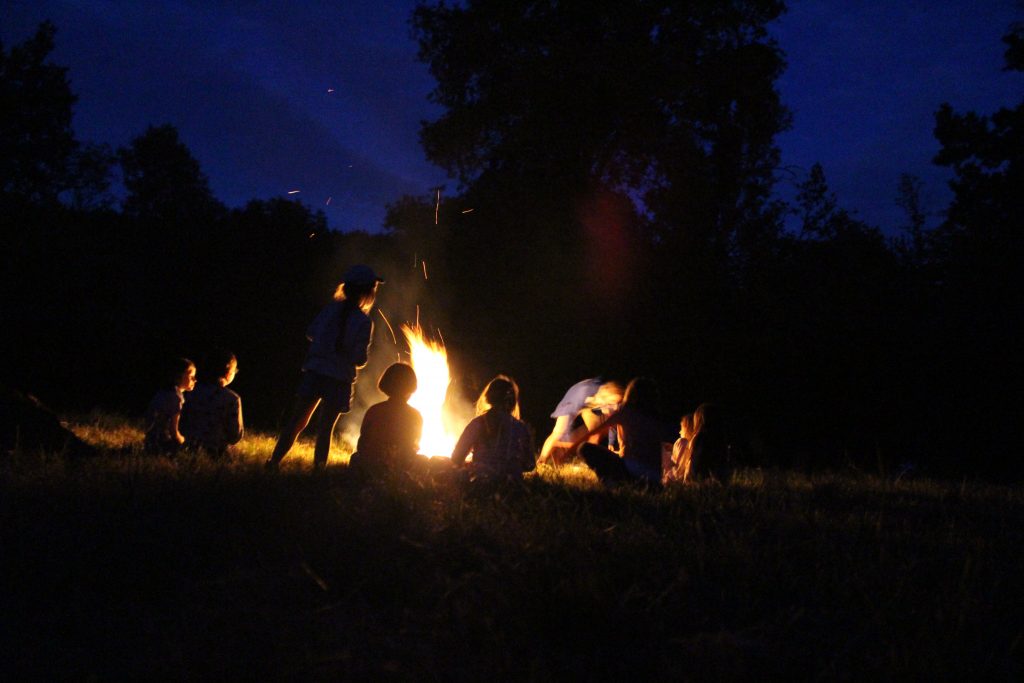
(642, 435)
(389, 437)
(339, 337)
(501, 444)
(709, 450)
(390, 434)
(212, 417)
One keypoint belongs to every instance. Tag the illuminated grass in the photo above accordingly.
(123, 565)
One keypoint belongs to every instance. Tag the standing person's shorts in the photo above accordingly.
(333, 392)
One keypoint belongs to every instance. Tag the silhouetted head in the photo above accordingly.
(502, 394)
(398, 381)
(359, 285)
(607, 397)
(216, 365)
(182, 374)
(708, 417)
(642, 394)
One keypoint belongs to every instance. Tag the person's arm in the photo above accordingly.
(175, 432)
(465, 443)
(596, 431)
(233, 424)
(561, 424)
(361, 343)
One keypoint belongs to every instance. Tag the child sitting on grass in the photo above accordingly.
(389, 437)
(709, 451)
(643, 436)
(212, 417)
(501, 444)
(678, 467)
(164, 412)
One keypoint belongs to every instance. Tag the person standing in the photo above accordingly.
(339, 341)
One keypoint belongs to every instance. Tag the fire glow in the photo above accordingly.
(430, 360)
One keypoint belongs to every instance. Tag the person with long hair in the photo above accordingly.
(643, 437)
(501, 444)
(339, 341)
(678, 466)
(710, 453)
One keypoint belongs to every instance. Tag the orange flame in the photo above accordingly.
(430, 360)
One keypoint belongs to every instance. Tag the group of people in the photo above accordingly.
(616, 432)
(209, 418)
(621, 437)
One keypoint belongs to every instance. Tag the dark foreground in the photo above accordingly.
(127, 567)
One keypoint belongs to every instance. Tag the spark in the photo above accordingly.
(312, 235)
(425, 271)
(330, 90)
(437, 207)
(467, 211)
(328, 202)
(393, 337)
(417, 315)
(294, 191)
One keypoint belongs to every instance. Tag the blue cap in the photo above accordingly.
(361, 275)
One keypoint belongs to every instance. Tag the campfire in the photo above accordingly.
(442, 423)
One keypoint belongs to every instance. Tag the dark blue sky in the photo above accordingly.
(326, 97)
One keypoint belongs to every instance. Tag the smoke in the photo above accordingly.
(398, 302)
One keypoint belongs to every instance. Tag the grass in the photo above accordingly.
(129, 566)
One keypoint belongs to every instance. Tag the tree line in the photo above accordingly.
(614, 213)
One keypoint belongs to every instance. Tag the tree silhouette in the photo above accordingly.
(596, 143)
(164, 181)
(39, 156)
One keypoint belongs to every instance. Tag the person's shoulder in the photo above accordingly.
(380, 407)
(229, 394)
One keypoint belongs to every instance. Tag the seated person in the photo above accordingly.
(677, 465)
(585, 406)
(212, 417)
(500, 443)
(163, 416)
(644, 438)
(710, 454)
(389, 437)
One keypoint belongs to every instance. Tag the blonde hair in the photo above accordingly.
(363, 295)
(686, 425)
(483, 403)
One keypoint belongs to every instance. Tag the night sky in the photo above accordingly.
(326, 97)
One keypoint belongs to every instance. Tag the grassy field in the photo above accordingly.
(132, 566)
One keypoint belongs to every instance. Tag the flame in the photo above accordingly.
(430, 360)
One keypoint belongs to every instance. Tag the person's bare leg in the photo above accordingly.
(324, 434)
(301, 412)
